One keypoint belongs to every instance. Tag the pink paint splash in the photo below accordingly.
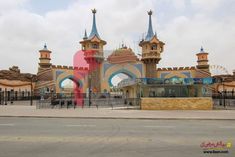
(81, 71)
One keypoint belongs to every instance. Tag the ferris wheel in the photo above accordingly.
(218, 70)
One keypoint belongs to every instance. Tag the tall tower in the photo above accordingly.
(152, 48)
(202, 60)
(45, 58)
(92, 46)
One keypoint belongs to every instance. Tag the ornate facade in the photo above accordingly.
(123, 60)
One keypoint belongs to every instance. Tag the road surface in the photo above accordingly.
(64, 137)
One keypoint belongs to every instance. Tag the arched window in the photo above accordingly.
(154, 47)
(95, 46)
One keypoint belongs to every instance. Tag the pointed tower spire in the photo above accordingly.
(85, 35)
(150, 27)
(94, 31)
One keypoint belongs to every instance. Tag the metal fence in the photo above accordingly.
(97, 103)
(97, 100)
(224, 99)
(7, 98)
(71, 100)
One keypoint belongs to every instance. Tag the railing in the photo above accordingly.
(89, 103)
(152, 54)
(98, 100)
(12, 98)
(225, 99)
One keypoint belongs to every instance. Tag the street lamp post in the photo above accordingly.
(232, 93)
(52, 96)
(89, 89)
(31, 92)
(223, 92)
(140, 89)
(12, 95)
(5, 97)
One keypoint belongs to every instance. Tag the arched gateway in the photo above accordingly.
(121, 61)
(100, 71)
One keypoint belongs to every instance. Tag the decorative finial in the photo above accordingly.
(93, 11)
(202, 50)
(150, 12)
(45, 46)
(123, 45)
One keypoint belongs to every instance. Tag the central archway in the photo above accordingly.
(115, 80)
(112, 71)
(119, 76)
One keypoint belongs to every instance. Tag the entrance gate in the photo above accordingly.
(85, 100)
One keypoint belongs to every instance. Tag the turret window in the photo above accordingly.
(95, 46)
(154, 47)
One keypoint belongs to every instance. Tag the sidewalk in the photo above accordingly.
(107, 113)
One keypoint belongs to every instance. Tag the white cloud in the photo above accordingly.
(23, 33)
(8, 5)
(178, 4)
(184, 36)
(207, 5)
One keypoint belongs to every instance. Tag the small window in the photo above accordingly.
(95, 46)
(154, 47)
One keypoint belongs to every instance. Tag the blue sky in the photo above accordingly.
(44, 6)
(184, 25)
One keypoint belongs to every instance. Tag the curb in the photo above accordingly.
(140, 118)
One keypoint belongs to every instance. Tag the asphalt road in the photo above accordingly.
(47, 137)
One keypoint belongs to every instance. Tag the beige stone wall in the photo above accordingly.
(199, 103)
(15, 85)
